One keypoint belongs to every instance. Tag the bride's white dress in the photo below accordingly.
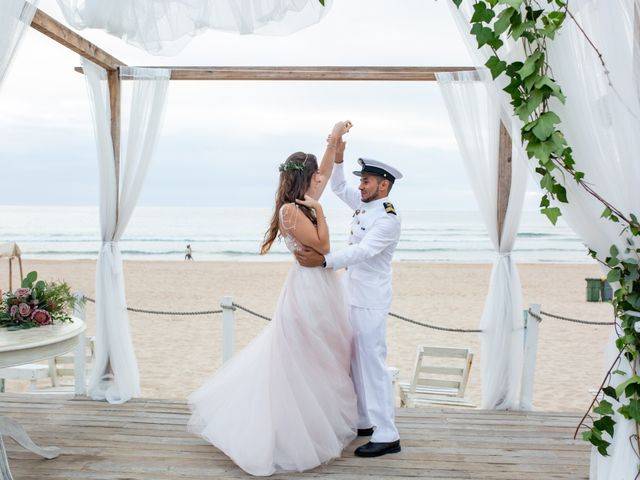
(286, 402)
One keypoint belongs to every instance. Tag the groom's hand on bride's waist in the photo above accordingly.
(308, 257)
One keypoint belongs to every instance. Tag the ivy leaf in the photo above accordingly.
(503, 21)
(496, 66)
(614, 251)
(483, 35)
(520, 29)
(530, 64)
(604, 408)
(540, 150)
(530, 106)
(481, 13)
(632, 410)
(610, 391)
(605, 424)
(552, 213)
(456, 2)
(633, 381)
(545, 82)
(322, 2)
(545, 125)
(613, 275)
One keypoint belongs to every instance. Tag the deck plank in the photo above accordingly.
(147, 438)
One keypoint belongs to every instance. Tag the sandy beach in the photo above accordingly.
(176, 354)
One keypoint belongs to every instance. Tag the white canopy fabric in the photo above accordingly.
(15, 18)
(9, 250)
(164, 27)
(114, 376)
(475, 117)
(601, 121)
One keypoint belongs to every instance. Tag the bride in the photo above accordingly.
(286, 402)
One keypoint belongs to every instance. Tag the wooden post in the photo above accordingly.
(20, 265)
(79, 353)
(504, 178)
(227, 328)
(529, 357)
(10, 275)
(113, 79)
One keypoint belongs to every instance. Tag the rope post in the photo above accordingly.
(79, 361)
(227, 328)
(529, 357)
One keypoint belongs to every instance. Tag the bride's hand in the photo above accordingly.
(309, 202)
(341, 128)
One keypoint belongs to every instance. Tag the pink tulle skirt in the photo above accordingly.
(286, 402)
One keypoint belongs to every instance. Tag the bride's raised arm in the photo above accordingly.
(326, 165)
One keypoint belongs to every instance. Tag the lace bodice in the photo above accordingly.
(287, 226)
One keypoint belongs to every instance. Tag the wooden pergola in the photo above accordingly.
(80, 45)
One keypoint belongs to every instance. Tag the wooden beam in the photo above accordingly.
(404, 74)
(504, 177)
(70, 39)
(113, 79)
(310, 73)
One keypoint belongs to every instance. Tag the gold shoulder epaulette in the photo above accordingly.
(388, 207)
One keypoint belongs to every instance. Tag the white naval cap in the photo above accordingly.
(377, 167)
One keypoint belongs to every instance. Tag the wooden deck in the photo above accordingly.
(147, 439)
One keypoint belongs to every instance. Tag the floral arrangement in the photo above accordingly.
(35, 304)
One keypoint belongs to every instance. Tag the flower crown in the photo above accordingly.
(291, 166)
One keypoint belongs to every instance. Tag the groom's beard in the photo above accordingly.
(374, 196)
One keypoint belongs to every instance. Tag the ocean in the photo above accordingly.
(162, 233)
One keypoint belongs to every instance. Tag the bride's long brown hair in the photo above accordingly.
(295, 178)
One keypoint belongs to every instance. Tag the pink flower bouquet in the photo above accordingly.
(36, 303)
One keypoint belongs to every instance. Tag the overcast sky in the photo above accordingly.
(221, 142)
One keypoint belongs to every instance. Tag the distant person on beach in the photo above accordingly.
(188, 252)
(375, 231)
(287, 402)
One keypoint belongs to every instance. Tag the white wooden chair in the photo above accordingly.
(440, 377)
(60, 370)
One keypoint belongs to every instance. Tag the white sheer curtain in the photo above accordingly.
(114, 375)
(165, 26)
(601, 121)
(15, 18)
(475, 118)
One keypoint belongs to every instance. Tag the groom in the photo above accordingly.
(375, 231)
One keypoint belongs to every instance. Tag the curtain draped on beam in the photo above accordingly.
(164, 27)
(114, 376)
(601, 120)
(475, 118)
(15, 18)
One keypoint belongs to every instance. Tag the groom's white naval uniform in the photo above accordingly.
(374, 235)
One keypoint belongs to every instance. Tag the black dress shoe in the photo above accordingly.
(376, 449)
(365, 432)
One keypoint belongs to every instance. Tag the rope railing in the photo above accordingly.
(164, 312)
(391, 314)
(566, 319)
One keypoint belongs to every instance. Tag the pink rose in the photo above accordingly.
(13, 311)
(24, 309)
(22, 293)
(41, 317)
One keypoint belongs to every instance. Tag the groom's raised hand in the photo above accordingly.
(308, 257)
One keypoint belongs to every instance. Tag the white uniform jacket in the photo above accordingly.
(375, 231)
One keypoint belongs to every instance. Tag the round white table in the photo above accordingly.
(28, 346)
